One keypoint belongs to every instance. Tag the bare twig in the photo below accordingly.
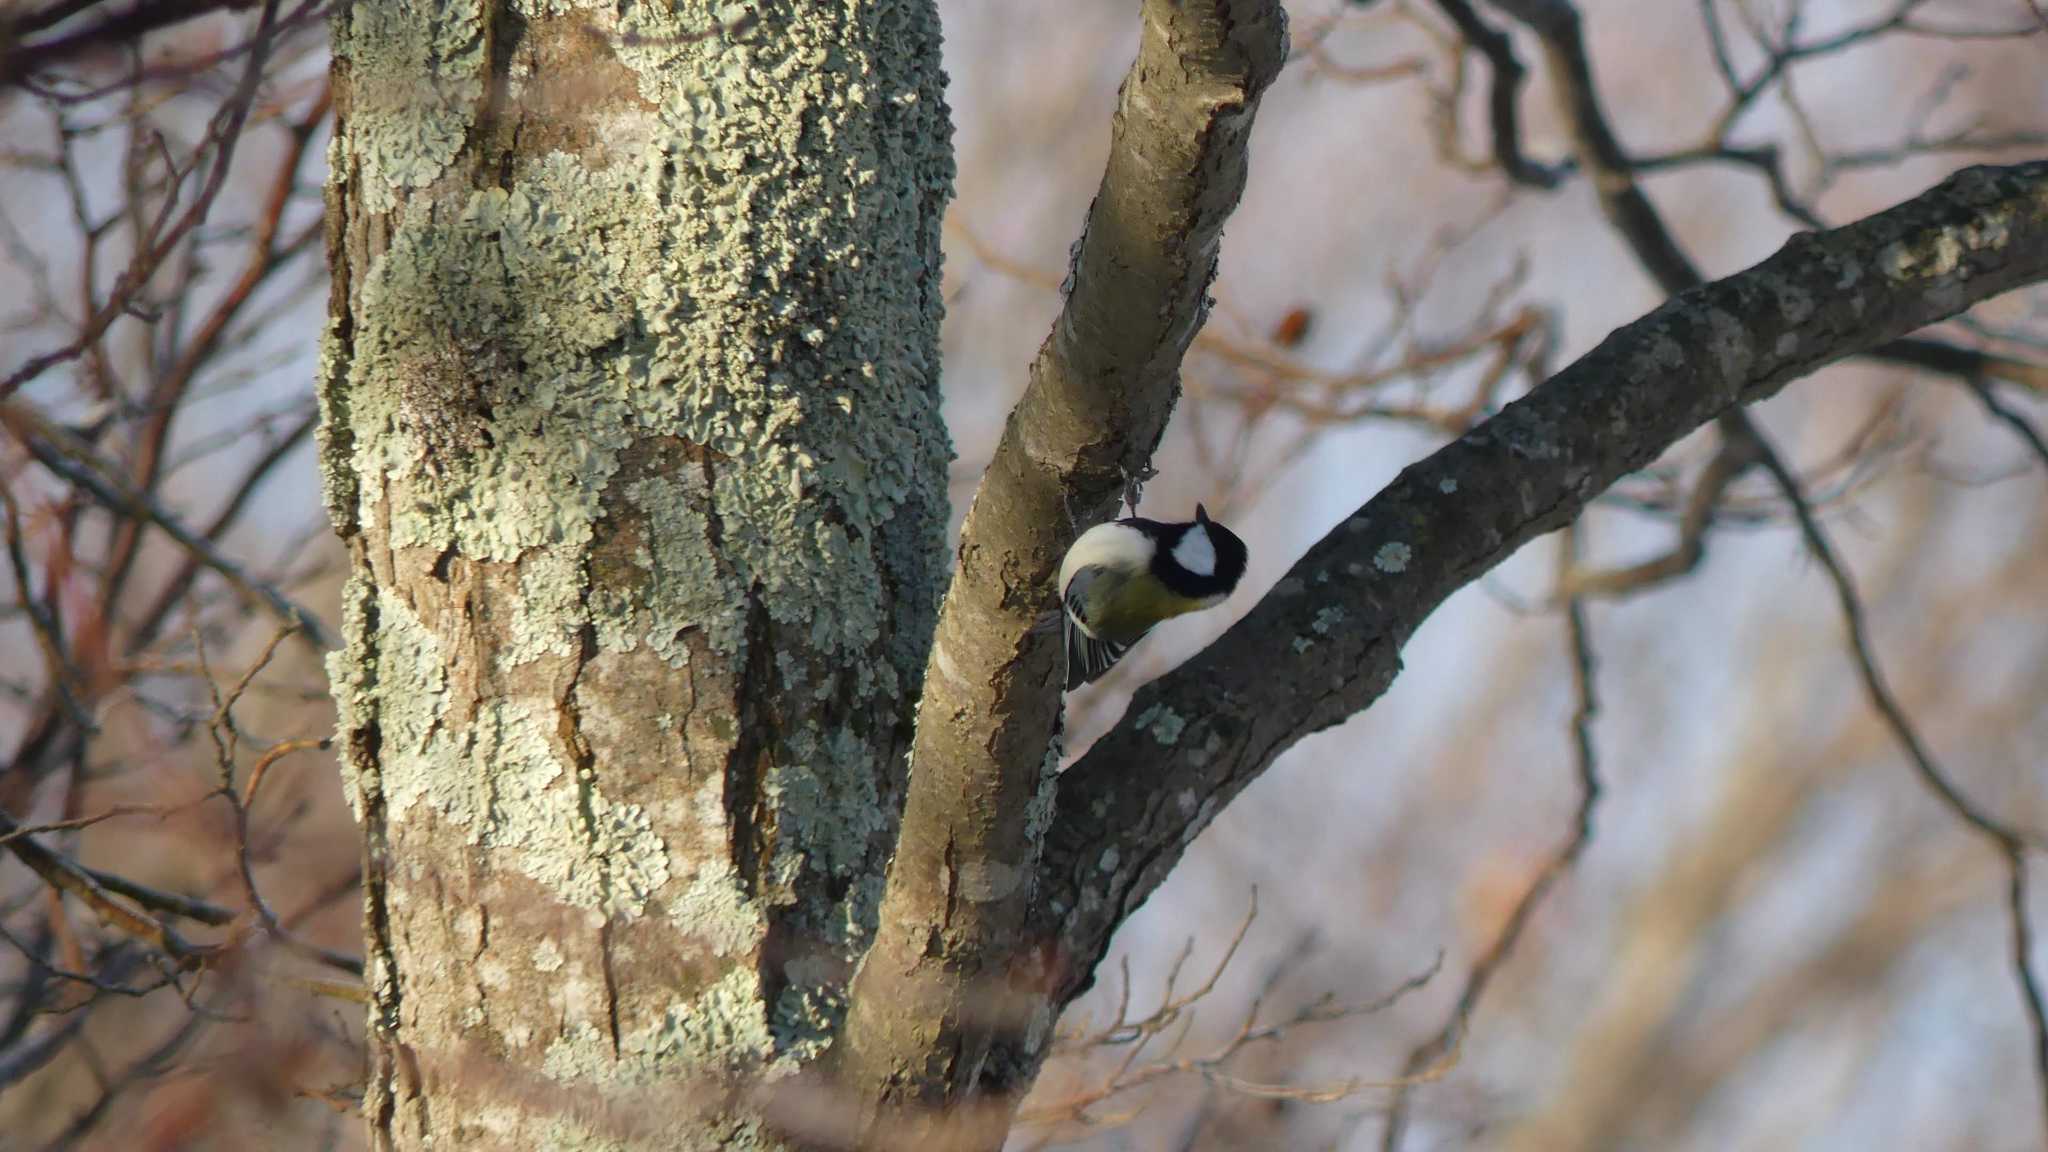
(164, 233)
(65, 876)
(1504, 100)
(2010, 842)
(62, 454)
(2023, 967)
(1875, 685)
(1450, 1038)
(70, 685)
(1173, 1019)
(2010, 416)
(226, 740)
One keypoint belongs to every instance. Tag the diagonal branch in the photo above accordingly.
(1326, 642)
(64, 455)
(21, 59)
(1101, 390)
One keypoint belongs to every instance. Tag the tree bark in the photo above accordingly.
(631, 425)
(949, 971)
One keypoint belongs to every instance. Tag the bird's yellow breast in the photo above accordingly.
(1126, 611)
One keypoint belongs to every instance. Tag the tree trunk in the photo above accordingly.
(632, 429)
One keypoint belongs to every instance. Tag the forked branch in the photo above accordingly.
(931, 992)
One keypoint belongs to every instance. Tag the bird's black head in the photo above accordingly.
(1201, 558)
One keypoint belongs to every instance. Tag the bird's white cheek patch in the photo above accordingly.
(1196, 552)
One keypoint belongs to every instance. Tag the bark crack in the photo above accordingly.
(584, 760)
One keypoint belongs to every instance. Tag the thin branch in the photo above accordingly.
(166, 395)
(1733, 457)
(2023, 969)
(226, 741)
(1214, 1065)
(1875, 686)
(63, 875)
(1448, 1040)
(76, 823)
(1504, 98)
(2011, 417)
(25, 1058)
(62, 454)
(62, 673)
(163, 234)
(151, 622)
(187, 907)
(23, 59)
(2010, 842)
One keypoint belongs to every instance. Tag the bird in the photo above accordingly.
(1122, 577)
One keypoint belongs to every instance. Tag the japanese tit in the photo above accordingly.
(1121, 578)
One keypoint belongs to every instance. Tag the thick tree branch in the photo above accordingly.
(1101, 390)
(1326, 642)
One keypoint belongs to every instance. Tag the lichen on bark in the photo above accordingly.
(632, 426)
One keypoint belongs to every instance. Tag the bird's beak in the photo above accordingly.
(1201, 514)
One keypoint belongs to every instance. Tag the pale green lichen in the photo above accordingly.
(549, 613)
(828, 789)
(589, 851)
(723, 1027)
(1327, 620)
(1729, 343)
(411, 694)
(335, 436)
(508, 276)
(1163, 723)
(714, 911)
(1937, 255)
(808, 1011)
(1040, 809)
(416, 75)
(712, 332)
(500, 778)
(685, 586)
(351, 678)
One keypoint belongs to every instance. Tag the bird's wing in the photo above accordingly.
(1088, 655)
